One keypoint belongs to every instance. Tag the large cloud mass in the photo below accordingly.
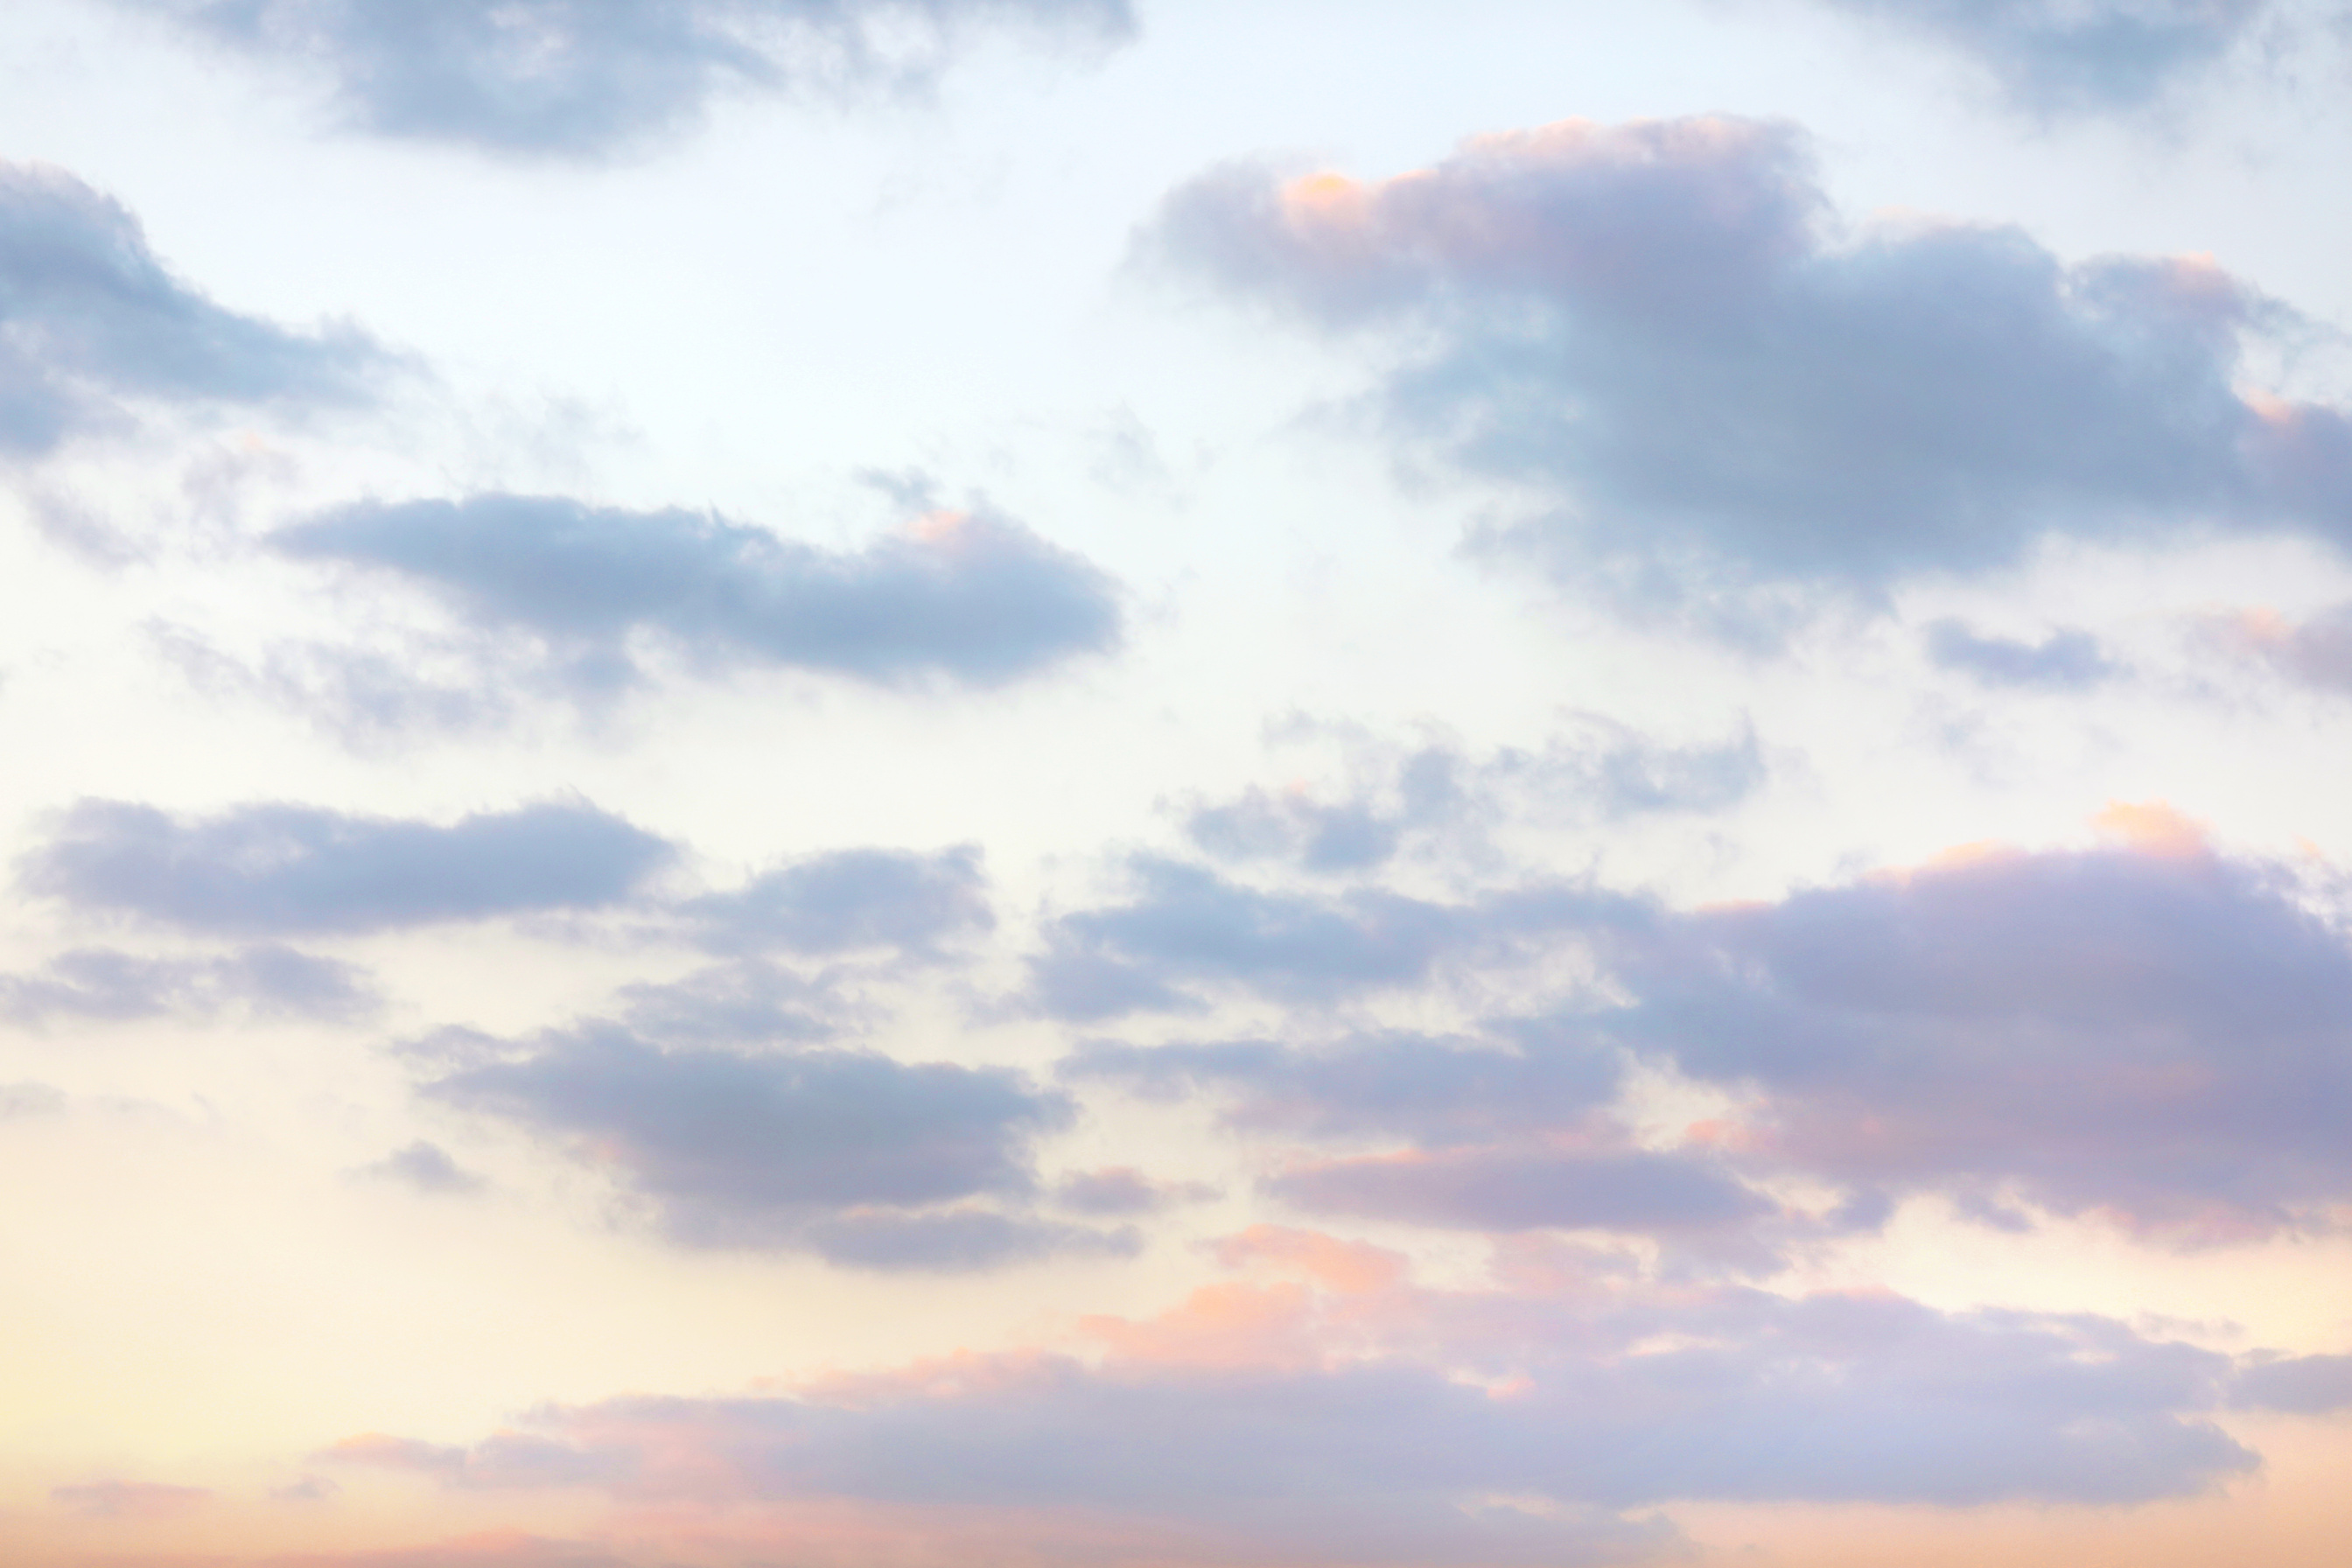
(1656, 330)
(966, 598)
(93, 325)
(583, 77)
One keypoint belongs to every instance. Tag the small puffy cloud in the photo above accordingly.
(267, 980)
(92, 326)
(427, 1168)
(2066, 660)
(569, 592)
(1654, 331)
(586, 79)
(864, 1159)
(286, 869)
(848, 901)
(2305, 1385)
(2078, 55)
(130, 1499)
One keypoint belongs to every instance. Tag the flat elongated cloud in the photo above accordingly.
(282, 869)
(1337, 1411)
(93, 325)
(1527, 1189)
(585, 77)
(1654, 330)
(850, 899)
(859, 1158)
(131, 1500)
(2309, 1385)
(104, 984)
(2076, 56)
(961, 597)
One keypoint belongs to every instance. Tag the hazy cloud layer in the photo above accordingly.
(966, 598)
(587, 78)
(2308, 1386)
(2314, 652)
(2077, 56)
(1508, 1189)
(291, 869)
(1337, 1409)
(427, 1168)
(103, 984)
(1657, 333)
(131, 1500)
(859, 1158)
(93, 325)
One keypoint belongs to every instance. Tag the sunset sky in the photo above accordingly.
(1120, 784)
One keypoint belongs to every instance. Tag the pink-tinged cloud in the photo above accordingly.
(1327, 1407)
(1659, 332)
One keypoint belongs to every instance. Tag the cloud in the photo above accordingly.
(586, 78)
(1435, 1091)
(1435, 797)
(1331, 1409)
(850, 899)
(1654, 333)
(267, 980)
(747, 1002)
(2078, 55)
(2308, 1386)
(27, 1099)
(861, 1158)
(1123, 1192)
(577, 591)
(427, 1168)
(285, 869)
(1187, 926)
(2066, 660)
(2153, 1032)
(2317, 652)
(1526, 1189)
(92, 326)
(130, 1499)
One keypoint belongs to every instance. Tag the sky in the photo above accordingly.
(1104, 783)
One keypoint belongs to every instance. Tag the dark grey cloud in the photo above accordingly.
(1187, 927)
(1697, 1396)
(92, 326)
(1656, 332)
(848, 901)
(2066, 660)
(2161, 1037)
(279, 868)
(864, 1159)
(266, 981)
(2078, 55)
(966, 598)
(427, 1168)
(2306, 1386)
(589, 78)
(1437, 1092)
